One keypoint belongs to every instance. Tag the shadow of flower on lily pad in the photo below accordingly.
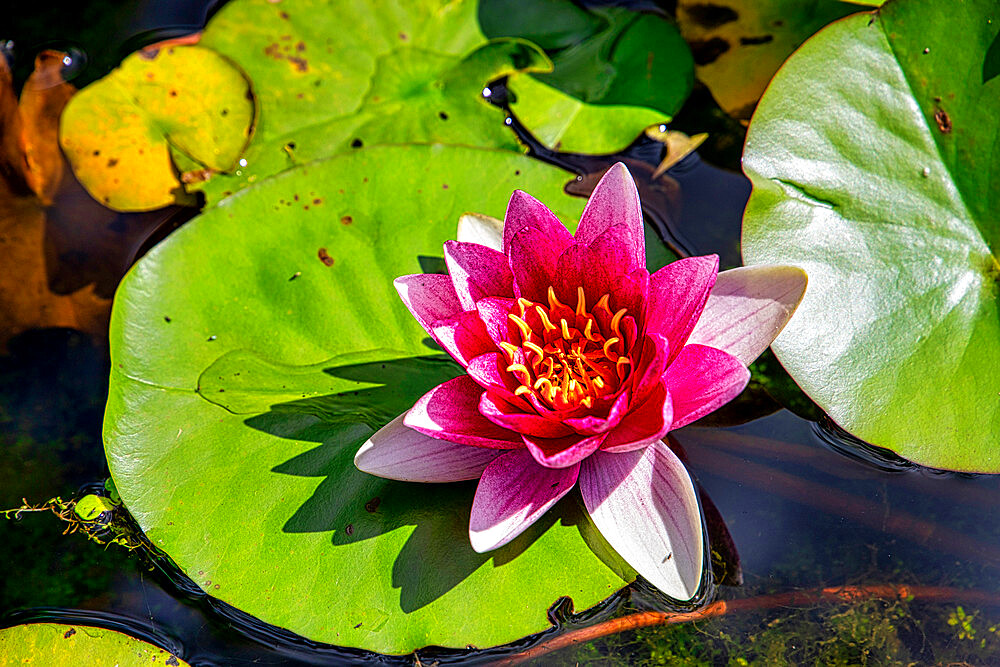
(356, 507)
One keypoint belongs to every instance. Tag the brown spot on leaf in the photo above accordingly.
(283, 15)
(943, 121)
(324, 257)
(172, 661)
(317, 201)
(69, 633)
(372, 504)
(350, 531)
(112, 162)
(173, 93)
(403, 36)
(346, 220)
(301, 64)
(300, 47)
(707, 51)
(710, 15)
(753, 41)
(444, 186)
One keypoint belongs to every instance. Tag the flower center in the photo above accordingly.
(567, 357)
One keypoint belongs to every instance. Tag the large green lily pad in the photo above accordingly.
(874, 157)
(234, 414)
(46, 644)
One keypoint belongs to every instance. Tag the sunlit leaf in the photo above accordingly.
(874, 165)
(46, 644)
(119, 133)
(251, 361)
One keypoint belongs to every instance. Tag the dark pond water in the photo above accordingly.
(909, 558)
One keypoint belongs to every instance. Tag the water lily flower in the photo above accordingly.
(578, 364)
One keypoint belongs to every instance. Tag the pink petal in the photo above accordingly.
(481, 229)
(523, 211)
(593, 424)
(488, 371)
(513, 493)
(702, 379)
(562, 452)
(653, 355)
(579, 266)
(512, 417)
(645, 506)
(476, 272)
(398, 452)
(615, 247)
(493, 312)
(645, 423)
(450, 411)
(615, 201)
(748, 308)
(677, 296)
(463, 336)
(533, 255)
(429, 296)
(631, 292)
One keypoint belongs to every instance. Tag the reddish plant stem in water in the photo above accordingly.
(721, 607)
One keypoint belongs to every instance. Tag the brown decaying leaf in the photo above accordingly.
(31, 172)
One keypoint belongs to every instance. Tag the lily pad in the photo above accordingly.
(873, 158)
(329, 77)
(564, 123)
(739, 44)
(47, 644)
(614, 71)
(119, 133)
(253, 492)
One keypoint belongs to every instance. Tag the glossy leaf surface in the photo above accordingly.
(253, 492)
(46, 644)
(875, 171)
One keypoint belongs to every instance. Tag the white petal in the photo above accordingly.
(398, 452)
(748, 308)
(481, 229)
(513, 493)
(646, 507)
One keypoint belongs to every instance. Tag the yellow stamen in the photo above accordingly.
(603, 303)
(522, 391)
(510, 349)
(534, 348)
(545, 319)
(598, 382)
(607, 344)
(565, 328)
(587, 402)
(553, 301)
(520, 369)
(522, 325)
(616, 320)
(581, 302)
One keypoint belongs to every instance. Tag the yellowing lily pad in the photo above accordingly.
(119, 133)
(48, 644)
(738, 45)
